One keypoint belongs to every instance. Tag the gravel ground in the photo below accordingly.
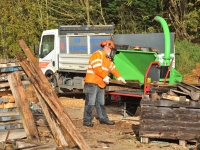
(122, 135)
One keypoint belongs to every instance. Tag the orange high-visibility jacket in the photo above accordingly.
(99, 67)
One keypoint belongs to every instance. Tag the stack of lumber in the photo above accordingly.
(62, 129)
(9, 116)
(171, 115)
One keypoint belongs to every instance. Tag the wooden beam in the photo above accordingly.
(23, 106)
(42, 85)
(58, 136)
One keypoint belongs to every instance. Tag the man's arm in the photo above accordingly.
(114, 71)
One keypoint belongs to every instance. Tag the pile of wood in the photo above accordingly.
(172, 115)
(9, 117)
(63, 130)
(180, 91)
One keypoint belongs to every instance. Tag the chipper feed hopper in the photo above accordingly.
(133, 64)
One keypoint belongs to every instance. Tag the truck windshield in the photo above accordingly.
(47, 45)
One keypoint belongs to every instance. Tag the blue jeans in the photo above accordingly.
(94, 96)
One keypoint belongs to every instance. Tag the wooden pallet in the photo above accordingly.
(166, 119)
(9, 116)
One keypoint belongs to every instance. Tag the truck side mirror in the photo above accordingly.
(36, 49)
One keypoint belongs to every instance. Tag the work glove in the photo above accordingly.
(121, 79)
(106, 79)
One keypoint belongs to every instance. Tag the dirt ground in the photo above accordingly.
(121, 136)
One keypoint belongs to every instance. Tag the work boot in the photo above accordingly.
(88, 124)
(108, 122)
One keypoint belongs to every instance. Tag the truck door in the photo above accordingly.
(47, 53)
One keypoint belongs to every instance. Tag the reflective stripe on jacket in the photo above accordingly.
(99, 67)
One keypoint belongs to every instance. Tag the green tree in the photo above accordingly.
(183, 17)
(132, 16)
(23, 19)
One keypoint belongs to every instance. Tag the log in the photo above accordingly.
(42, 85)
(23, 106)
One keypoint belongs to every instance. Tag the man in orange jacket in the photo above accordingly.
(100, 66)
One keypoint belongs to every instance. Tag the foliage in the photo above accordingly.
(131, 16)
(19, 20)
(188, 56)
(26, 19)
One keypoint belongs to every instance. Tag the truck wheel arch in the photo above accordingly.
(49, 74)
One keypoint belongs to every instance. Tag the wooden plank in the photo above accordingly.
(7, 60)
(8, 98)
(11, 126)
(179, 117)
(118, 88)
(165, 122)
(9, 118)
(132, 84)
(23, 106)
(1, 105)
(168, 110)
(168, 135)
(10, 105)
(176, 91)
(168, 103)
(172, 128)
(9, 65)
(55, 129)
(11, 122)
(173, 98)
(6, 84)
(14, 134)
(42, 85)
(8, 110)
(3, 93)
(3, 114)
(4, 75)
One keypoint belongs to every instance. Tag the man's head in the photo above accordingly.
(107, 46)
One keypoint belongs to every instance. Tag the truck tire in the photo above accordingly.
(107, 99)
(131, 109)
(52, 80)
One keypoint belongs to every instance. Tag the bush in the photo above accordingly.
(188, 54)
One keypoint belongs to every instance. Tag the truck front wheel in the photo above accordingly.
(52, 79)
